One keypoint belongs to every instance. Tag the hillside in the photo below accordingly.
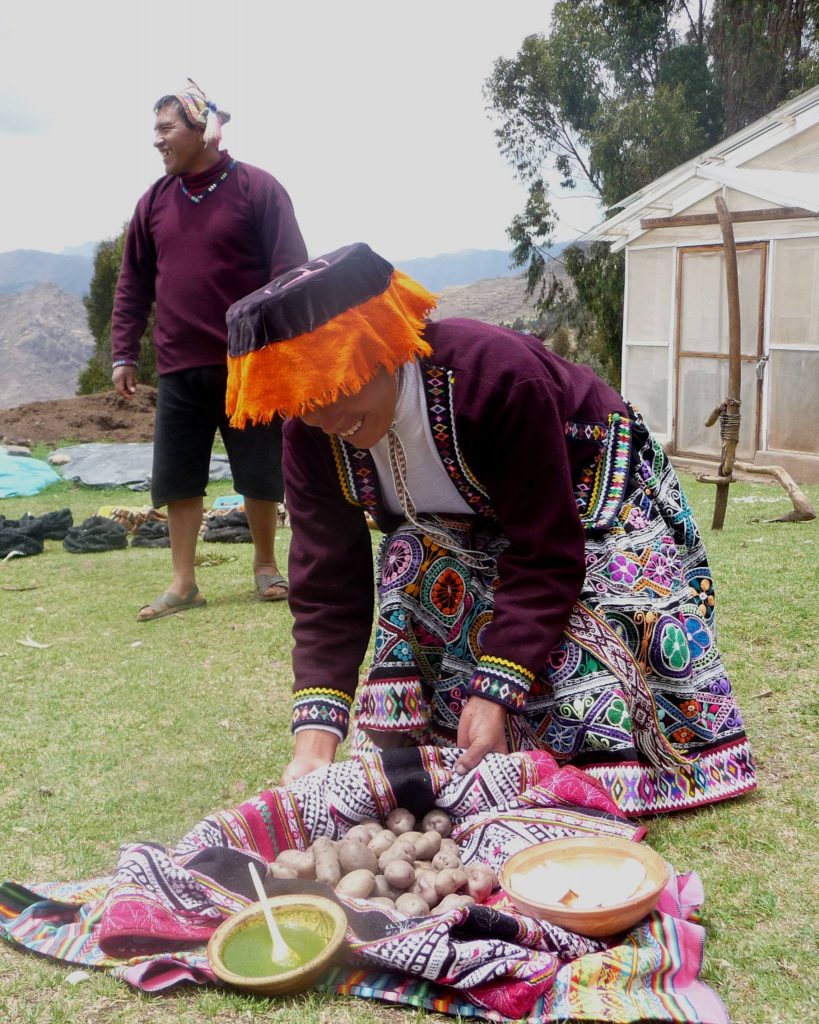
(465, 267)
(44, 344)
(22, 269)
(496, 300)
(105, 416)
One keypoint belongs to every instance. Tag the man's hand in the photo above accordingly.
(481, 731)
(124, 378)
(314, 748)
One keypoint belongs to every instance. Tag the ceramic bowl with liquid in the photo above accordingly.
(594, 886)
(239, 951)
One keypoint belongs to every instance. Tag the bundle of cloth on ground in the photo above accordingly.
(26, 535)
(148, 923)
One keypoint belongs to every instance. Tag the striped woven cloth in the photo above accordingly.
(148, 922)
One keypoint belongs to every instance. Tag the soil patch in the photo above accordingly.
(101, 417)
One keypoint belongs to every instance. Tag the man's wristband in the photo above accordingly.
(122, 362)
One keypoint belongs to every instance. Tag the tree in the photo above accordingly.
(99, 306)
(618, 93)
(763, 52)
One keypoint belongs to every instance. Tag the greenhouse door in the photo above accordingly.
(702, 346)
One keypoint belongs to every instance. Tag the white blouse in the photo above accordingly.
(426, 477)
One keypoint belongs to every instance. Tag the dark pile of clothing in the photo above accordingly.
(97, 533)
(147, 528)
(25, 536)
(228, 527)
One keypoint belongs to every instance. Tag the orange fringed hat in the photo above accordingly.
(321, 330)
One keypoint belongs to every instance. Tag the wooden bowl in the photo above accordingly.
(314, 914)
(608, 856)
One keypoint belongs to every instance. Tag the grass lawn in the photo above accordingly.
(122, 731)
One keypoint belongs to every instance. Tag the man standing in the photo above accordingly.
(207, 233)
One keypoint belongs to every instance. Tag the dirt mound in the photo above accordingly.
(101, 417)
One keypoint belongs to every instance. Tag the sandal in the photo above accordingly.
(170, 604)
(264, 581)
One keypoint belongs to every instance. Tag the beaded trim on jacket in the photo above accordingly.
(196, 199)
(356, 468)
(599, 492)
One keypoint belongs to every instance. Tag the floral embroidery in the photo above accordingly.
(698, 636)
(702, 591)
(623, 569)
(675, 648)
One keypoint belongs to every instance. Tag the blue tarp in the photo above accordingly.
(21, 476)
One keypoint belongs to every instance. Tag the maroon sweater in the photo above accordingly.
(194, 260)
(517, 427)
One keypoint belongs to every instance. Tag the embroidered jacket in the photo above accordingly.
(531, 441)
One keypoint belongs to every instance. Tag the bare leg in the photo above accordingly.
(184, 521)
(261, 518)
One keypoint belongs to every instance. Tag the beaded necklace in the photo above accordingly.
(211, 188)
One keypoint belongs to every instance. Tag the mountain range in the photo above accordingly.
(21, 269)
(72, 269)
(45, 341)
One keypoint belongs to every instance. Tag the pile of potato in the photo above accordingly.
(417, 872)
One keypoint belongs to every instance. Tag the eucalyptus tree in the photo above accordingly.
(617, 93)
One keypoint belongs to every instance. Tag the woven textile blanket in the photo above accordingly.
(148, 923)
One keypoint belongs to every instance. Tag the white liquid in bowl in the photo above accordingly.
(580, 883)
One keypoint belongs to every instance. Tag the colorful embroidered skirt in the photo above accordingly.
(636, 693)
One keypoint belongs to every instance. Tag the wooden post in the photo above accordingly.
(729, 415)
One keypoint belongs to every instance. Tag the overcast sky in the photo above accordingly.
(370, 113)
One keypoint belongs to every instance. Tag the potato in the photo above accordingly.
(400, 820)
(450, 844)
(381, 841)
(423, 865)
(360, 833)
(372, 826)
(480, 881)
(360, 883)
(427, 845)
(328, 868)
(424, 886)
(383, 901)
(437, 821)
(383, 888)
(450, 880)
(452, 902)
(400, 874)
(281, 871)
(303, 862)
(353, 854)
(398, 851)
(444, 859)
(412, 905)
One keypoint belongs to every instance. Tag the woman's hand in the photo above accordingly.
(481, 731)
(314, 748)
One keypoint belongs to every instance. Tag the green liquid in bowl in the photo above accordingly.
(248, 952)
